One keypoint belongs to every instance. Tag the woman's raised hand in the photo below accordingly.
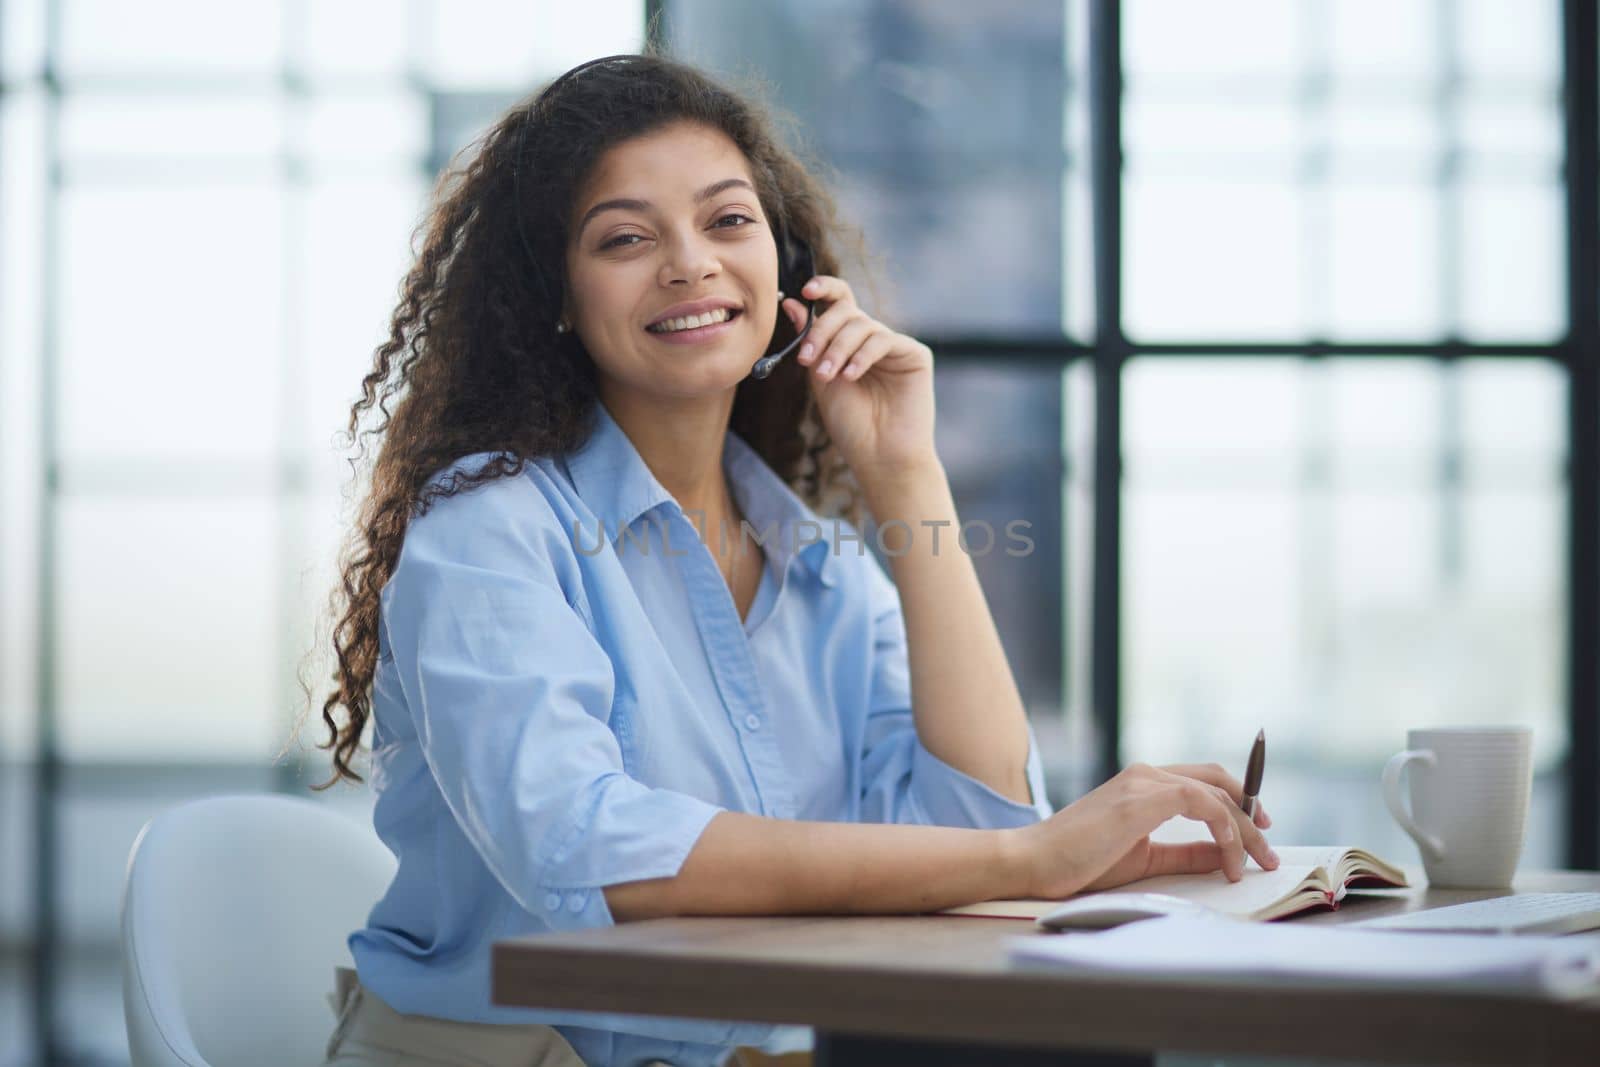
(874, 387)
(1103, 839)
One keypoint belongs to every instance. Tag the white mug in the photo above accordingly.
(1469, 801)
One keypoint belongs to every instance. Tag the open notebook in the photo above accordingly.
(1307, 877)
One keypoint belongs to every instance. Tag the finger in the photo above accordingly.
(877, 346)
(824, 325)
(846, 340)
(1217, 775)
(1212, 774)
(1250, 835)
(799, 314)
(829, 288)
(1200, 802)
(796, 310)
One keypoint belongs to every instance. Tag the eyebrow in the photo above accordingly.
(627, 204)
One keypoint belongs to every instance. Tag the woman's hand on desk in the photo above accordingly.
(746, 864)
(1103, 839)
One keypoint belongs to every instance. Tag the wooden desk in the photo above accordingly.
(936, 990)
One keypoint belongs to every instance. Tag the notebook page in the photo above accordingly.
(1181, 948)
(1256, 890)
(1325, 856)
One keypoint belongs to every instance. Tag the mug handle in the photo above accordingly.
(1431, 846)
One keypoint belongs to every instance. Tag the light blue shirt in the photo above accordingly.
(555, 713)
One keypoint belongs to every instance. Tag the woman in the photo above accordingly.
(588, 704)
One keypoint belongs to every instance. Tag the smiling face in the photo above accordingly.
(668, 219)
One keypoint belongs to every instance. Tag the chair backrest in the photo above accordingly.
(234, 915)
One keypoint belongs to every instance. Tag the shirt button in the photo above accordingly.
(552, 901)
(752, 721)
(575, 902)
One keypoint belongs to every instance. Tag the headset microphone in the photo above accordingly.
(795, 268)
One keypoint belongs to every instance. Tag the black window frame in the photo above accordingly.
(1578, 351)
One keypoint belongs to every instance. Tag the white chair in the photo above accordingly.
(234, 916)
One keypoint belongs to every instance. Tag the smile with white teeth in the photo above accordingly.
(693, 322)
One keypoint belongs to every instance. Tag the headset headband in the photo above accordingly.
(545, 101)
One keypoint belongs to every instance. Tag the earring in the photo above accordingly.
(562, 327)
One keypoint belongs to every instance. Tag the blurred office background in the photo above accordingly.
(1333, 306)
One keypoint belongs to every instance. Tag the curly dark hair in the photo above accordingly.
(473, 362)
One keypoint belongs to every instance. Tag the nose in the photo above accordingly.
(689, 259)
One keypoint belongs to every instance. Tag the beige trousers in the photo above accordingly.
(369, 1033)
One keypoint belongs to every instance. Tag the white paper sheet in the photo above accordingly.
(1184, 948)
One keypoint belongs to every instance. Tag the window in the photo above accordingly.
(206, 214)
(1345, 498)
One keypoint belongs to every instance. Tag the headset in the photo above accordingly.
(795, 268)
(796, 265)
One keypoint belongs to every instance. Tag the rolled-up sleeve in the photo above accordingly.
(511, 694)
(902, 782)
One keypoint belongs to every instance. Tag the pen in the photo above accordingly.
(1252, 773)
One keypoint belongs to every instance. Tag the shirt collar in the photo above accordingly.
(616, 484)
